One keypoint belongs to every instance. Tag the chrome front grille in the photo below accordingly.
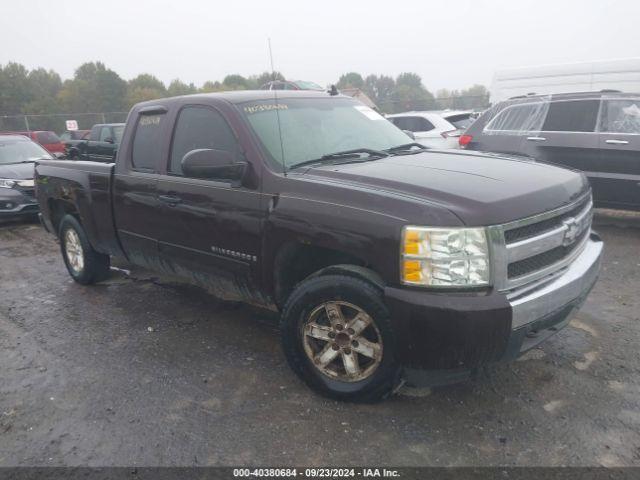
(526, 251)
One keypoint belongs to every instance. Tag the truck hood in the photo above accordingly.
(17, 171)
(481, 189)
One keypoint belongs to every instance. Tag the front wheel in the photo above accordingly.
(337, 337)
(84, 264)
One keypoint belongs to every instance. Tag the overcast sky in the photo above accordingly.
(451, 44)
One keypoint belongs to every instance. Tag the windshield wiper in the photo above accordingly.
(355, 154)
(406, 147)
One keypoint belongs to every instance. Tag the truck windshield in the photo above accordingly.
(316, 127)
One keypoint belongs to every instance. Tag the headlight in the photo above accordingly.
(445, 257)
(7, 183)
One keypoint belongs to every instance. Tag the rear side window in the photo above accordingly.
(199, 127)
(518, 118)
(147, 142)
(462, 121)
(47, 137)
(413, 124)
(572, 116)
(620, 116)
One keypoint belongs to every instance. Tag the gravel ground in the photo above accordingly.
(142, 371)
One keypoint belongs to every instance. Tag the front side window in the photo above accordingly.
(95, 132)
(47, 137)
(519, 118)
(620, 116)
(461, 122)
(572, 116)
(196, 128)
(105, 134)
(295, 130)
(147, 142)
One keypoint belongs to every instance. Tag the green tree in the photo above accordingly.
(210, 86)
(14, 89)
(380, 89)
(350, 80)
(266, 77)
(410, 94)
(94, 88)
(474, 97)
(144, 87)
(178, 87)
(235, 82)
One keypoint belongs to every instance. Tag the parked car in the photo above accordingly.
(387, 260)
(49, 140)
(17, 157)
(596, 132)
(291, 85)
(438, 128)
(100, 145)
(71, 140)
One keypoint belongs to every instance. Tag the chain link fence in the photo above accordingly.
(57, 122)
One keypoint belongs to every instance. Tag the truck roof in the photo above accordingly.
(578, 95)
(242, 96)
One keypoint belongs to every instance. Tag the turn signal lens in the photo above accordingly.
(412, 271)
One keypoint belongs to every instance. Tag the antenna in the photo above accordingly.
(275, 98)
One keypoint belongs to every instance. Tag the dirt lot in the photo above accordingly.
(139, 371)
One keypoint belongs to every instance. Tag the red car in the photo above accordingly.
(49, 140)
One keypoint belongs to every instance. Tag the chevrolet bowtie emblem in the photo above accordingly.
(571, 232)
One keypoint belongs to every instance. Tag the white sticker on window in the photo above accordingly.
(370, 113)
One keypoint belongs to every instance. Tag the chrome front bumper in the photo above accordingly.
(565, 287)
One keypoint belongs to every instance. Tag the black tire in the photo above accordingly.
(95, 266)
(305, 299)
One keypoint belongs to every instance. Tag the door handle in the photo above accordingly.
(536, 139)
(617, 142)
(170, 199)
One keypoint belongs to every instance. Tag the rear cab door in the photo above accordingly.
(138, 214)
(568, 135)
(616, 176)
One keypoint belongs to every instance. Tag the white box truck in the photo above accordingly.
(619, 74)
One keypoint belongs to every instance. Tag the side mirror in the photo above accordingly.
(109, 140)
(214, 164)
(410, 134)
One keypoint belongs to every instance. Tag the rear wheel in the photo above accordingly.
(337, 337)
(83, 263)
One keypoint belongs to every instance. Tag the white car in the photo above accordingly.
(435, 128)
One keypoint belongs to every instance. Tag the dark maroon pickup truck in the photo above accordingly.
(389, 262)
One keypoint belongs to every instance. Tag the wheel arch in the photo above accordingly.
(295, 262)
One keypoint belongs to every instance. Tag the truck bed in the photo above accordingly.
(82, 188)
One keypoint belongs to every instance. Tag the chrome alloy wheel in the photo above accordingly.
(74, 251)
(342, 341)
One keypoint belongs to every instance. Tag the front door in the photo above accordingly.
(616, 178)
(212, 232)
